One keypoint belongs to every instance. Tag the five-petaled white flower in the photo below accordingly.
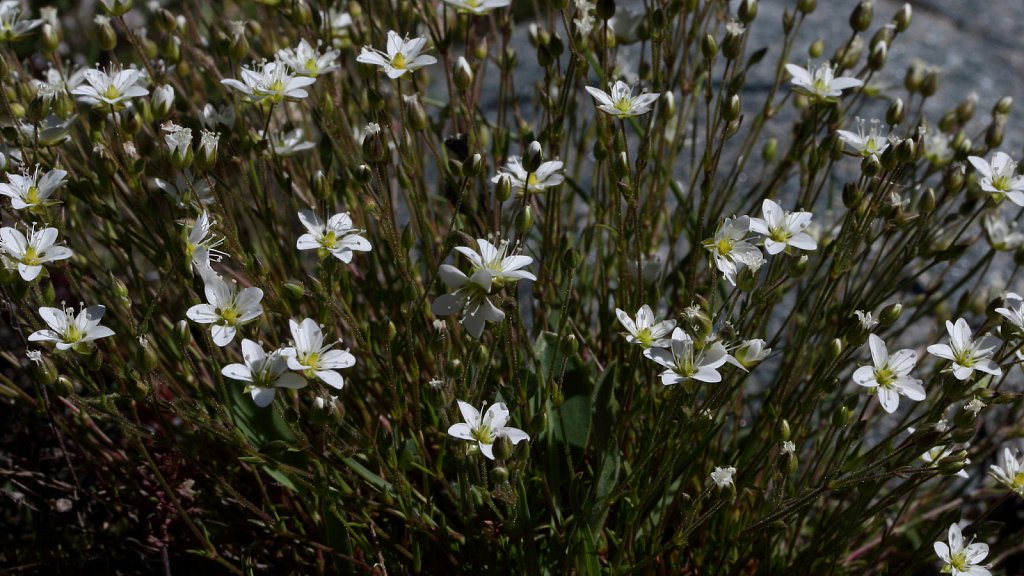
(28, 190)
(646, 330)
(966, 353)
(722, 477)
(68, 330)
(468, 296)
(310, 356)
(750, 352)
(621, 102)
(820, 83)
(265, 372)
(305, 60)
(782, 229)
(890, 375)
(684, 362)
(484, 430)
(1001, 235)
(31, 252)
(962, 560)
(402, 55)
(730, 249)
(272, 82)
(1011, 474)
(548, 174)
(1000, 177)
(337, 236)
(110, 88)
(478, 7)
(503, 268)
(226, 307)
(865, 143)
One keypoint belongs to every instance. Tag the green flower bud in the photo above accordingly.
(816, 49)
(914, 76)
(902, 18)
(731, 110)
(1003, 106)
(842, 417)
(876, 60)
(293, 291)
(709, 47)
(503, 189)
(49, 40)
(532, 158)
(116, 7)
(952, 465)
(788, 463)
(860, 19)
(473, 166)
(524, 220)
(994, 135)
(107, 36)
(783, 429)
(890, 314)
(930, 85)
(605, 9)
(788, 20)
(770, 150)
(747, 11)
(183, 333)
(499, 474)
(44, 370)
(746, 280)
(502, 447)
(64, 387)
(732, 44)
(799, 266)
(806, 6)
(896, 113)
(871, 165)
(463, 75)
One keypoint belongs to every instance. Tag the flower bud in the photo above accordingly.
(876, 60)
(788, 20)
(799, 266)
(914, 77)
(1003, 106)
(994, 135)
(835, 349)
(532, 159)
(163, 101)
(64, 387)
(49, 40)
(116, 7)
(770, 150)
(473, 166)
(788, 463)
(569, 345)
(500, 473)
(374, 149)
(930, 85)
(731, 110)
(896, 113)
(953, 179)
(871, 165)
(842, 417)
(708, 47)
(890, 314)
(416, 115)
(502, 447)
(208, 145)
(816, 49)
(503, 188)
(852, 195)
(732, 44)
(952, 465)
(183, 333)
(605, 9)
(746, 280)
(145, 357)
(902, 18)
(107, 35)
(463, 74)
(44, 370)
(783, 429)
(747, 11)
(524, 220)
(806, 6)
(905, 151)
(860, 19)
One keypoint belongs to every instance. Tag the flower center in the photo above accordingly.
(31, 256)
(398, 61)
(780, 234)
(531, 180)
(329, 240)
(723, 246)
(622, 105)
(885, 377)
(1001, 182)
(483, 434)
(73, 334)
(229, 315)
(32, 196)
(645, 337)
(312, 359)
(311, 65)
(964, 358)
(111, 93)
(276, 86)
(959, 561)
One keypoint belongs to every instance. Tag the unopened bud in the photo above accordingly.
(183, 333)
(163, 101)
(816, 49)
(463, 74)
(116, 7)
(876, 61)
(49, 40)
(709, 47)
(524, 220)
(732, 44)
(871, 165)
(108, 37)
(500, 473)
(732, 108)
(503, 188)
(807, 6)
(890, 314)
(783, 429)
(502, 448)
(860, 19)
(747, 11)
(915, 76)
(293, 291)
(64, 387)
(930, 85)
(770, 150)
(896, 113)
(532, 159)
(417, 116)
(605, 9)
(1003, 106)
(902, 18)
(994, 135)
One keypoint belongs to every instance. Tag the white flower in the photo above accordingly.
(782, 229)
(937, 149)
(966, 353)
(486, 429)
(338, 20)
(110, 88)
(311, 357)
(750, 352)
(730, 249)
(178, 139)
(337, 236)
(1014, 315)
(12, 27)
(547, 175)
(620, 102)
(821, 83)
(26, 191)
(227, 308)
(305, 60)
(865, 144)
(402, 55)
(199, 245)
(478, 7)
(890, 375)
(468, 296)
(1011, 474)
(503, 268)
(866, 319)
(1000, 177)
(788, 447)
(960, 559)
(30, 253)
(722, 477)
(181, 191)
(265, 372)
(211, 116)
(1001, 236)
(646, 330)
(163, 98)
(53, 130)
(975, 406)
(68, 330)
(270, 81)
(938, 453)
(683, 362)
(585, 19)
(290, 143)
